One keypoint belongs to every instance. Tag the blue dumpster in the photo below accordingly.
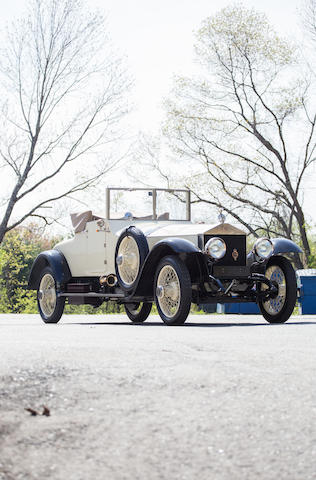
(249, 308)
(306, 282)
(208, 307)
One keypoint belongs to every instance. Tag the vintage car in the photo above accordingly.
(154, 253)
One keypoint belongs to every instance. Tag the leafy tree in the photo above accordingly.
(312, 257)
(247, 124)
(17, 253)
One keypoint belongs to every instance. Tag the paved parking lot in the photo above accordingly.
(222, 397)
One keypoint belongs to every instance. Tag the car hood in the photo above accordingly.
(187, 229)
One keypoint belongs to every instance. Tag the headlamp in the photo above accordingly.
(263, 248)
(215, 248)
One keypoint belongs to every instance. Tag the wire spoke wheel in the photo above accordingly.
(47, 295)
(279, 307)
(168, 291)
(273, 306)
(173, 290)
(50, 306)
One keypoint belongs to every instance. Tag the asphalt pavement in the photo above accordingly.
(222, 397)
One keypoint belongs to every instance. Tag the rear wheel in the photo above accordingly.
(137, 312)
(173, 290)
(280, 308)
(50, 306)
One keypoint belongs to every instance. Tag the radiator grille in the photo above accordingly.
(234, 243)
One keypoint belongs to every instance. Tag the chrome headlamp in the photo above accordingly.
(215, 248)
(263, 248)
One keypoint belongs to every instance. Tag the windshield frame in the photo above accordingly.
(154, 201)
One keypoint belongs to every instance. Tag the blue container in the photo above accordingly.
(208, 307)
(250, 308)
(306, 281)
(231, 308)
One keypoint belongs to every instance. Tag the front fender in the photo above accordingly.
(53, 259)
(186, 250)
(284, 245)
(281, 245)
(175, 246)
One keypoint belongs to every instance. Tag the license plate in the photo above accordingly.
(230, 272)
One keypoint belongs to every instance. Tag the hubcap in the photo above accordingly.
(168, 291)
(160, 291)
(47, 295)
(273, 306)
(128, 260)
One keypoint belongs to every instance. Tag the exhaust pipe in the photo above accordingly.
(108, 280)
(111, 280)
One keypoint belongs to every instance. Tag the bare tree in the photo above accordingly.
(65, 95)
(248, 125)
(309, 18)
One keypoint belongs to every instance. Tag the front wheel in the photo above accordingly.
(172, 290)
(138, 312)
(50, 306)
(280, 308)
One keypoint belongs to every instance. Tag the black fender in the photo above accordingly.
(188, 253)
(281, 245)
(53, 259)
(284, 245)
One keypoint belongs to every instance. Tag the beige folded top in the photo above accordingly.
(79, 220)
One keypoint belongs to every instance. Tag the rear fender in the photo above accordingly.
(188, 253)
(56, 261)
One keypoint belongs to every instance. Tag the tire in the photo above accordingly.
(280, 308)
(49, 305)
(138, 312)
(130, 253)
(173, 292)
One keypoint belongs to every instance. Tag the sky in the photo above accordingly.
(157, 38)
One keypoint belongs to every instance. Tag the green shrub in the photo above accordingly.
(17, 253)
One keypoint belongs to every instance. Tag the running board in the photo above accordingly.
(92, 294)
(106, 296)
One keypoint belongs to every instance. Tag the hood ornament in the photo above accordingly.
(221, 217)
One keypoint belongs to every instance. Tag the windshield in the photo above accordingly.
(148, 204)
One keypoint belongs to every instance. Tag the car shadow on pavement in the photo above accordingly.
(190, 324)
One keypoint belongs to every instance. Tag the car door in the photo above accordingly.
(96, 255)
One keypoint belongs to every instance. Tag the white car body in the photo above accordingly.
(91, 252)
(159, 255)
